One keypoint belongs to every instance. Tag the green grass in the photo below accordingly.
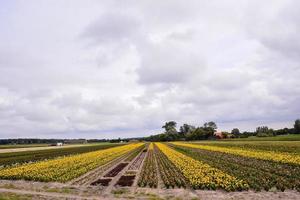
(290, 137)
(16, 146)
(10, 158)
(278, 146)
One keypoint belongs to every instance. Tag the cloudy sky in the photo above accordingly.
(107, 69)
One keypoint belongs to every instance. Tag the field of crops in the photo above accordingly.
(36, 155)
(65, 168)
(227, 166)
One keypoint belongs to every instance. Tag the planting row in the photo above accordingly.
(276, 146)
(201, 175)
(169, 173)
(259, 174)
(148, 176)
(282, 157)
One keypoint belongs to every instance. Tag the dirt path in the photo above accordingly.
(62, 191)
(114, 180)
(48, 194)
(95, 174)
(134, 185)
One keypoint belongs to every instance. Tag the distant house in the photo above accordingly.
(57, 144)
(219, 135)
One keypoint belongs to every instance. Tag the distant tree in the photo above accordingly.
(169, 126)
(264, 131)
(297, 126)
(185, 129)
(226, 135)
(212, 125)
(236, 132)
(197, 134)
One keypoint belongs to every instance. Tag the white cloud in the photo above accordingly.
(114, 69)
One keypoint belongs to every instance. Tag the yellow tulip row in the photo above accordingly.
(201, 175)
(151, 146)
(64, 169)
(259, 154)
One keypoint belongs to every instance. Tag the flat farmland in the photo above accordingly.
(179, 170)
(41, 153)
(19, 146)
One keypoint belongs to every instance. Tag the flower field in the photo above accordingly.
(65, 168)
(12, 158)
(201, 175)
(208, 165)
(282, 157)
(148, 176)
(170, 174)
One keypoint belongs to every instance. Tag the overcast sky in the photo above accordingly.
(107, 69)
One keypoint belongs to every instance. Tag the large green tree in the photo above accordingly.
(297, 126)
(185, 129)
(170, 126)
(212, 125)
(235, 132)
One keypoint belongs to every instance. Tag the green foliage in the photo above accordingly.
(189, 132)
(212, 125)
(169, 126)
(297, 126)
(185, 129)
(264, 131)
(235, 132)
(148, 176)
(289, 137)
(200, 133)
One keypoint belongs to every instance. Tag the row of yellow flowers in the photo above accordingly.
(201, 175)
(64, 169)
(151, 146)
(260, 154)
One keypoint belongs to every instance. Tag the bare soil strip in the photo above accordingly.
(139, 170)
(129, 178)
(48, 194)
(59, 191)
(113, 183)
(94, 175)
(160, 183)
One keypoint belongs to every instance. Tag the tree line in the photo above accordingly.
(53, 141)
(186, 132)
(207, 131)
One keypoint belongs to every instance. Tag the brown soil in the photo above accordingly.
(36, 190)
(126, 180)
(101, 181)
(115, 171)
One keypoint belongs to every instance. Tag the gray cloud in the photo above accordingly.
(111, 69)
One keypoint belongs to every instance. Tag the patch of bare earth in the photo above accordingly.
(38, 190)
